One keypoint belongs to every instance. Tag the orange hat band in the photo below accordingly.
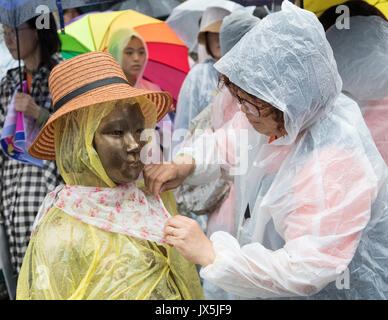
(86, 88)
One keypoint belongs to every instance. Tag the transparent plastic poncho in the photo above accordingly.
(317, 197)
(197, 91)
(361, 53)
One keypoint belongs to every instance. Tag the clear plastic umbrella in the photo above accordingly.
(15, 12)
(154, 8)
(185, 18)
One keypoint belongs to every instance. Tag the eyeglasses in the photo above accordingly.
(253, 108)
(11, 36)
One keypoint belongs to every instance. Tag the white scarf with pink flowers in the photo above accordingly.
(125, 209)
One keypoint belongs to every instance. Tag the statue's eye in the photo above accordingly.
(117, 132)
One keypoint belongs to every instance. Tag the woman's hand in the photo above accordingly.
(166, 176)
(26, 104)
(187, 237)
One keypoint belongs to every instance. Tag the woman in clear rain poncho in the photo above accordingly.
(100, 235)
(312, 202)
(199, 87)
(361, 53)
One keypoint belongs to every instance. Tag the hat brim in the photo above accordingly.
(214, 27)
(43, 146)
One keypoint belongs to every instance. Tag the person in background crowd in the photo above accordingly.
(6, 62)
(70, 14)
(361, 52)
(199, 86)
(24, 186)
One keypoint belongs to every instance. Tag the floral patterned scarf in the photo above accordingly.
(125, 209)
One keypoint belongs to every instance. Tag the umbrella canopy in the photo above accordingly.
(152, 8)
(15, 12)
(259, 2)
(319, 6)
(167, 55)
(185, 18)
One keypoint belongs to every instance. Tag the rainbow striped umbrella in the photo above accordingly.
(167, 55)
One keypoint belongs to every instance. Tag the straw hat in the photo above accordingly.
(214, 27)
(84, 80)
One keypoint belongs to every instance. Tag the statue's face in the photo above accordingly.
(117, 142)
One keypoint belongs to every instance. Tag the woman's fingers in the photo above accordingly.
(187, 237)
(172, 235)
(179, 227)
(168, 186)
(171, 231)
(175, 242)
(174, 229)
(178, 221)
(154, 177)
(162, 177)
(149, 172)
(170, 240)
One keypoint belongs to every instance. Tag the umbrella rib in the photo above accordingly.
(90, 28)
(106, 30)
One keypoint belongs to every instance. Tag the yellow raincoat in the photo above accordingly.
(69, 259)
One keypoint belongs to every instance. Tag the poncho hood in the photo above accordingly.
(302, 81)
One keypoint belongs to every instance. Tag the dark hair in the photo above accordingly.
(356, 8)
(48, 39)
(260, 12)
